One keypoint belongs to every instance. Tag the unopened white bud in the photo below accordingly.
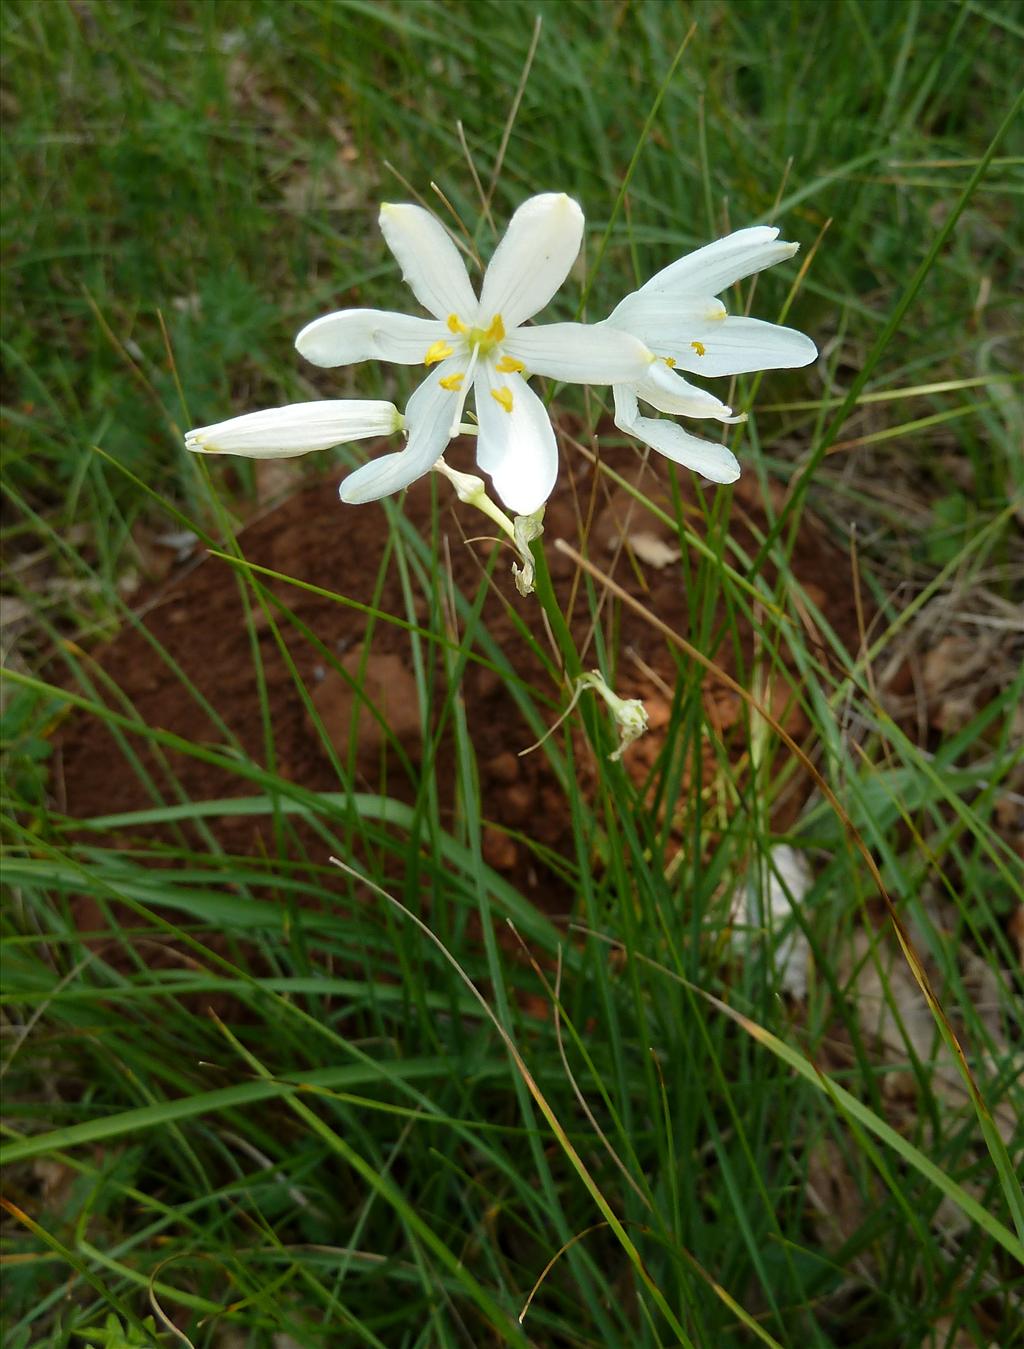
(299, 428)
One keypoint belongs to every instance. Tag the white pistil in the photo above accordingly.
(464, 389)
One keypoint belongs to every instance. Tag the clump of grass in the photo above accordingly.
(676, 1151)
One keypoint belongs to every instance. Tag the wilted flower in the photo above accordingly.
(629, 713)
(678, 317)
(527, 528)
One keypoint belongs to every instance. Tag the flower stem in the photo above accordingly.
(570, 657)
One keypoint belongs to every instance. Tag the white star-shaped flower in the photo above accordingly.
(479, 345)
(677, 316)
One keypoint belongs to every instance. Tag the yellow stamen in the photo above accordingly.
(699, 348)
(503, 397)
(670, 361)
(438, 352)
(456, 325)
(508, 365)
(452, 382)
(496, 330)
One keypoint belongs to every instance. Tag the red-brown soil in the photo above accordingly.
(198, 617)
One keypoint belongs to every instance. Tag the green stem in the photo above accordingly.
(571, 665)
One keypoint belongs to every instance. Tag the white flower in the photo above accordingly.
(677, 316)
(479, 344)
(282, 433)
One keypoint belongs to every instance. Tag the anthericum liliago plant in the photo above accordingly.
(672, 324)
(481, 344)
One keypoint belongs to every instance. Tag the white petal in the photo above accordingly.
(299, 428)
(716, 266)
(533, 259)
(579, 353)
(431, 264)
(734, 346)
(353, 335)
(703, 456)
(669, 392)
(517, 447)
(665, 322)
(428, 419)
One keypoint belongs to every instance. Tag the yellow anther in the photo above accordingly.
(438, 352)
(496, 330)
(508, 365)
(670, 361)
(456, 325)
(452, 382)
(503, 397)
(698, 348)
